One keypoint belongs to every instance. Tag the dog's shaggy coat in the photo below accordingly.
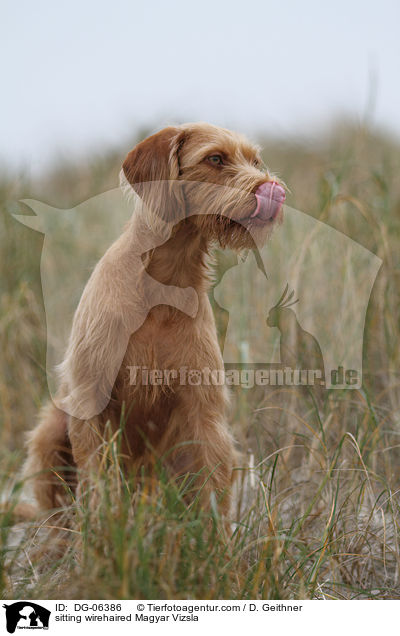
(197, 185)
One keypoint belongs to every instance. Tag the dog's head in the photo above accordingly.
(211, 175)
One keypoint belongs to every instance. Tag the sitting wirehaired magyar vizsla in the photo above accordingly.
(198, 185)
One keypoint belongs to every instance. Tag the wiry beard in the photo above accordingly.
(233, 234)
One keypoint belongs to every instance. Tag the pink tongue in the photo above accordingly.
(270, 197)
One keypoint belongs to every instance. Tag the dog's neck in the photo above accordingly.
(182, 260)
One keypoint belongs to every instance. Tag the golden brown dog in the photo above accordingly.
(197, 184)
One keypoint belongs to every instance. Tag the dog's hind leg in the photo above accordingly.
(49, 467)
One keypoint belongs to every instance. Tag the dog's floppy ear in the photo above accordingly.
(152, 169)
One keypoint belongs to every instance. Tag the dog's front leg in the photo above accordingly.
(199, 447)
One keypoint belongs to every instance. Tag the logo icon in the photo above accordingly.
(26, 615)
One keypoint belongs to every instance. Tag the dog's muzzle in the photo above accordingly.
(270, 198)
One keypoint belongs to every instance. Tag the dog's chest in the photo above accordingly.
(169, 338)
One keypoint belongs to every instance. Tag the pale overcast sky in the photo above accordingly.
(78, 76)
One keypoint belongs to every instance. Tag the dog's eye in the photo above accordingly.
(257, 163)
(216, 160)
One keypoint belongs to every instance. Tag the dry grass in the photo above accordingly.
(317, 503)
